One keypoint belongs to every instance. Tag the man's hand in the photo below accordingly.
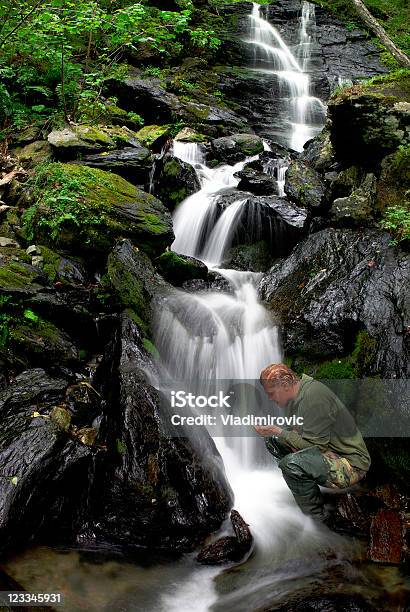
(268, 430)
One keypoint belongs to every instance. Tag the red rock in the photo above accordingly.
(386, 537)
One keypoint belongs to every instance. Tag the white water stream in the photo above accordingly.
(219, 335)
(304, 113)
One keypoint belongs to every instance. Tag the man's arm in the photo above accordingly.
(318, 418)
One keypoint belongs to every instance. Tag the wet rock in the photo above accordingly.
(174, 180)
(177, 269)
(28, 389)
(349, 509)
(345, 182)
(386, 537)
(224, 550)
(161, 490)
(228, 548)
(333, 602)
(256, 257)
(256, 182)
(111, 207)
(144, 96)
(241, 529)
(83, 402)
(134, 279)
(44, 473)
(369, 122)
(132, 163)
(357, 209)
(335, 284)
(268, 218)
(319, 152)
(38, 341)
(60, 268)
(231, 149)
(304, 186)
(20, 278)
(393, 186)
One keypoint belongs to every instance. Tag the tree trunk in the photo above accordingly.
(380, 32)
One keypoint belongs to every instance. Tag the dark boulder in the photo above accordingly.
(174, 180)
(256, 257)
(44, 472)
(144, 96)
(369, 122)
(257, 182)
(231, 149)
(132, 163)
(177, 269)
(228, 548)
(269, 218)
(157, 488)
(337, 283)
(133, 279)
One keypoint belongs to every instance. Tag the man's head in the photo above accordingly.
(280, 383)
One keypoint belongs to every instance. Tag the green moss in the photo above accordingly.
(15, 275)
(129, 290)
(149, 134)
(171, 168)
(151, 348)
(177, 269)
(76, 207)
(363, 353)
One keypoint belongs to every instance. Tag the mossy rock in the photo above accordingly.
(371, 120)
(357, 209)
(34, 153)
(256, 257)
(174, 180)
(237, 147)
(189, 135)
(82, 209)
(393, 187)
(38, 341)
(17, 277)
(60, 268)
(177, 269)
(153, 136)
(133, 280)
(73, 141)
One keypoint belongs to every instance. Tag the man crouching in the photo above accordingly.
(327, 450)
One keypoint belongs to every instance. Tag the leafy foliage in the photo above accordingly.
(56, 54)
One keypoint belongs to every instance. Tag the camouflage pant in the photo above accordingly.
(341, 473)
(304, 470)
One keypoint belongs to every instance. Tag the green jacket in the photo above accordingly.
(326, 423)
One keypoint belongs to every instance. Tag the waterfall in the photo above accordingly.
(219, 336)
(304, 113)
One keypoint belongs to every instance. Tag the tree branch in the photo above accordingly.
(380, 32)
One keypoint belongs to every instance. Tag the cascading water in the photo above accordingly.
(228, 335)
(304, 113)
